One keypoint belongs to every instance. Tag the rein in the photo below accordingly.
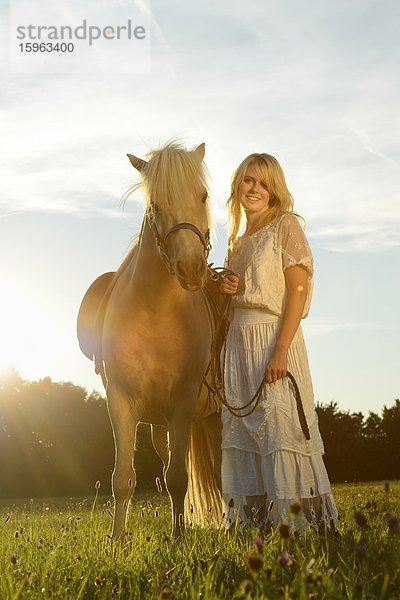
(217, 387)
(162, 240)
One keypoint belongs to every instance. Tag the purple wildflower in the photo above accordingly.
(295, 508)
(284, 531)
(258, 544)
(284, 559)
(255, 562)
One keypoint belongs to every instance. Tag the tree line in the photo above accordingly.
(56, 440)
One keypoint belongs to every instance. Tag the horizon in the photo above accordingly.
(9, 373)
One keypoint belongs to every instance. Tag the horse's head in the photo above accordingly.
(175, 183)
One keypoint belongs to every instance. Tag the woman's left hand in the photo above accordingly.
(277, 365)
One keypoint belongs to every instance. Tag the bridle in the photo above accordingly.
(162, 240)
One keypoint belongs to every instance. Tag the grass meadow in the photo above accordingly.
(60, 548)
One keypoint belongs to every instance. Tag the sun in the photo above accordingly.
(24, 328)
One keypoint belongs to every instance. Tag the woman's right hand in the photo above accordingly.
(230, 284)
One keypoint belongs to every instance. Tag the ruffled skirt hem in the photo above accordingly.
(287, 479)
(298, 513)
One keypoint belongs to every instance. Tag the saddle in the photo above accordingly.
(91, 316)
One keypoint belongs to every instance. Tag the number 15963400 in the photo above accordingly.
(46, 47)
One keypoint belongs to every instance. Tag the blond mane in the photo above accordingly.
(171, 172)
(169, 176)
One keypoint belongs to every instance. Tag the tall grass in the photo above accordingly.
(61, 549)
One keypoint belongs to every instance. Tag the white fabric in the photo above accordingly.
(290, 478)
(261, 260)
(266, 451)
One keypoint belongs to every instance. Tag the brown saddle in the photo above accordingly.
(91, 315)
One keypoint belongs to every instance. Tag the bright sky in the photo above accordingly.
(314, 82)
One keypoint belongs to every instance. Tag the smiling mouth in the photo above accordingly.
(252, 197)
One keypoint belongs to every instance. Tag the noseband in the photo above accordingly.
(162, 240)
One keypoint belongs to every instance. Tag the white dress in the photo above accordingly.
(267, 451)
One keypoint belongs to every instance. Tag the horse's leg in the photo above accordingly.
(176, 474)
(124, 477)
(159, 438)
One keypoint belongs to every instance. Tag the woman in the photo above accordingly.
(270, 471)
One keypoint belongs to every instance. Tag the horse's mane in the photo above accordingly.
(171, 172)
(167, 170)
(133, 247)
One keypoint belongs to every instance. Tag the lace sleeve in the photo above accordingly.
(294, 245)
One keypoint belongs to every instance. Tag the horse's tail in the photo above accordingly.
(203, 500)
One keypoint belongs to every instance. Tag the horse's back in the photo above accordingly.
(88, 315)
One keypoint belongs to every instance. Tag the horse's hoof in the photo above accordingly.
(178, 534)
(117, 540)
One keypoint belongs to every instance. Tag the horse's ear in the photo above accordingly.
(200, 150)
(136, 162)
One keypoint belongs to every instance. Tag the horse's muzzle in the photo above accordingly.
(191, 275)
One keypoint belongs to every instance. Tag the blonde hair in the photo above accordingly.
(272, 176)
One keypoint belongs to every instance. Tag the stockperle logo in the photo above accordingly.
(76, 37)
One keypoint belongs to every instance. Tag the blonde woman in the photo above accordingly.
(270, 470)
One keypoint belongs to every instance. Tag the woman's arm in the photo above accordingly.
(296, 282)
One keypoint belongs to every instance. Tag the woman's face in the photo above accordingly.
(254, 196)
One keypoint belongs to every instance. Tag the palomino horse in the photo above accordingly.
(149, 330)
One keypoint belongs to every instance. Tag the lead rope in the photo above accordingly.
(218, 383)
